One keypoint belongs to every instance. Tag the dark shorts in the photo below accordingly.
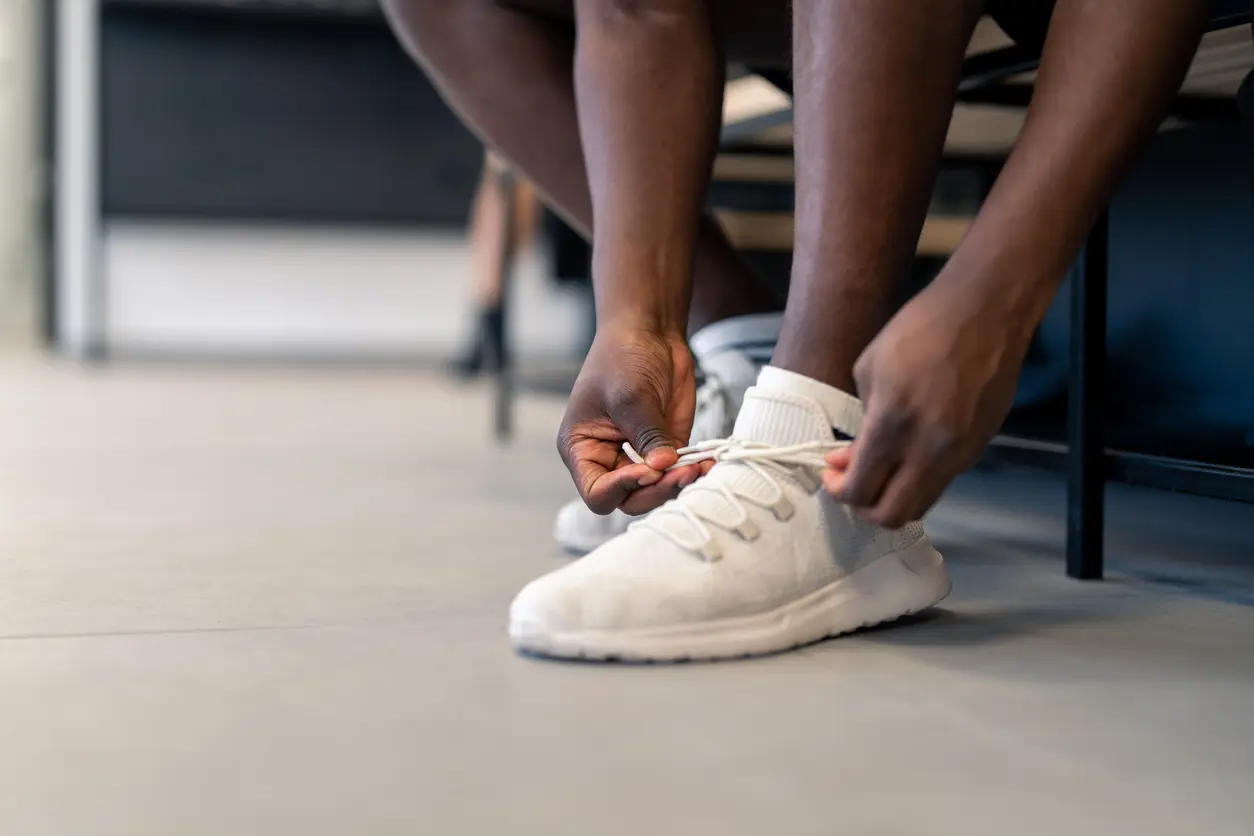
(1025, 21)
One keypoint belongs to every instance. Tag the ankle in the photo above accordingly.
(834, 369)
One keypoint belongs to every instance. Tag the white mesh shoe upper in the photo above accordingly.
(754, 534)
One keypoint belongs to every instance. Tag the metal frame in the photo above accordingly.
(1089, 463)
(1086, 407)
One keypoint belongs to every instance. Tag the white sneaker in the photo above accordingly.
(753, 558)
(728, 374)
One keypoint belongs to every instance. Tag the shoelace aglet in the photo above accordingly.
(687, 455)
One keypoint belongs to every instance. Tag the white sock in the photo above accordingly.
(844, 411)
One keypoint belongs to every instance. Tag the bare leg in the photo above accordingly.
(487, 237)
(488, 242)
(875, 85)
(507, 69)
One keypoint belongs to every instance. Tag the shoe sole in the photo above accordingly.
(898, 584)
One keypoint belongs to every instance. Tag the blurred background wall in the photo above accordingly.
(20, 190)
(279, 180)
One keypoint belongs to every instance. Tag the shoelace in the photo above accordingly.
(767, 461)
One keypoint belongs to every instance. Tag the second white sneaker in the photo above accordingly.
(753, 558)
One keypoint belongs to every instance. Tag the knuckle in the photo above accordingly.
(621, 401)
(855, 493)
(564, 442)
(892, 516)
(941, 440)
(650, 437)
(897, 417)
(862, 366)
(601, 506)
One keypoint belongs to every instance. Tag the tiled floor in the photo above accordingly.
(262, 602)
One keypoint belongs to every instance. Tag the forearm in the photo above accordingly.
(648, 79)
(1109, 72)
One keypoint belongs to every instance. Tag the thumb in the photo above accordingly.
(643, 421)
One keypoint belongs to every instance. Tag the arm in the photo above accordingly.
(1108, 74)
(649, 81)
(940, 378)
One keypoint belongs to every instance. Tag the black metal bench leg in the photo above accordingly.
(1086, 413)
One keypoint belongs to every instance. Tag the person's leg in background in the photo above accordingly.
(492, 253)
(507, 68)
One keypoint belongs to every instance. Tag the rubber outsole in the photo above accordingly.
(896, 585)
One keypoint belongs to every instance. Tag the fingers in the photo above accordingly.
(838, 459)
(604, 490)
(871, 460)
(668, 487)
(643, 421)
(910, 492)
(928, 463)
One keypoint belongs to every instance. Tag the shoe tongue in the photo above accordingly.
(785, 408)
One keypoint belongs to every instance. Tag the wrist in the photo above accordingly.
(998, 296)
(634, 321)
(645, 306)
(646, 288)
(1005, 277)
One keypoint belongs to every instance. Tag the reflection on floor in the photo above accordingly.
(270, 602)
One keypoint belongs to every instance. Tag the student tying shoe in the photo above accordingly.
(612, 109)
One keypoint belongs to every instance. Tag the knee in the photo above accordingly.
(421, 24)
(615, 15)
(419, 15)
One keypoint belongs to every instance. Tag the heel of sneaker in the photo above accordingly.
(932, 583)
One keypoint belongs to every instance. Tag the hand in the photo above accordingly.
(636, 386)
(937, 383)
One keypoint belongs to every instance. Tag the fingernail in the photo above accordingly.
(652, 460)
(648, 479)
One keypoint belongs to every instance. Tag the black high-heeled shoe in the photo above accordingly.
(486, 346)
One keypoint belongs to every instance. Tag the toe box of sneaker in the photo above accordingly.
(639, 580)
